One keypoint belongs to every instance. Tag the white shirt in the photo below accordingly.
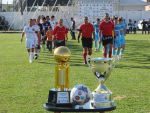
(36, 29)
(29, 32)
(53, 23)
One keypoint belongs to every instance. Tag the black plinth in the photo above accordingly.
(53, 98)
(52, 108)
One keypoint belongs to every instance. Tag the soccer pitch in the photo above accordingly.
(24, 86)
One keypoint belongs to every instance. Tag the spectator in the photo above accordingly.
(134, 27)
(72, 30)
(144, 26)
(148, 26)
(130, 25)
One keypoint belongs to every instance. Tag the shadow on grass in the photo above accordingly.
(137, 53)
(76, 59)
(132, 66)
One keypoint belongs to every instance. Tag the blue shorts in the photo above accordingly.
(117, 43)
(122, 40)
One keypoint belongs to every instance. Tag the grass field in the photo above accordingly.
(24, 87)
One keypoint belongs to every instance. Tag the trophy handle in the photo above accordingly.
(88, 60)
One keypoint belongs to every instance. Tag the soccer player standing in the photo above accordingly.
(45, 24)
(97, 35)
(117, 39)
(86, 29)
(53, 22)
(123, 27)
(72, 30)
(37, 36)
(107, 28)
(49, 34)
(29, 31)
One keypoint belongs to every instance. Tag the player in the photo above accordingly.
(52, 22)
(97, 35)
(123, 27)
(37, 36)
(117, 43)
(86, 30)
(28, 31)
(49, 34)
(45, 24)
(72, 30)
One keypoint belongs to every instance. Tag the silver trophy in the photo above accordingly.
(101, 68)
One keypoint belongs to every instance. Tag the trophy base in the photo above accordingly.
(102, 97)
(105, 104)
(59, 98)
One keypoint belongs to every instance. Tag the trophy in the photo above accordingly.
(60, 95)
(101, 68)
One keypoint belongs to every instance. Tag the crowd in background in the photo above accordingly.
(134, 26)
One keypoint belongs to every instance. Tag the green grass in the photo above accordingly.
(24, 87)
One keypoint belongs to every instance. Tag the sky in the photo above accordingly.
(5, 1)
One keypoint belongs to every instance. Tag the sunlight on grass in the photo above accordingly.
(24, 87)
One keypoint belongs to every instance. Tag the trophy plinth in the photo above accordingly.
(60, 95)
(59, 98)
(102, 96)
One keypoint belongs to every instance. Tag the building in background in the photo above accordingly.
(147, 8)
(132, 5)
(128, 9)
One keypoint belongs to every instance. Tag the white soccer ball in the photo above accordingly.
(80, 95)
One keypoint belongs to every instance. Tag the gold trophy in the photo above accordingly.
(101, 68)
(60, 95)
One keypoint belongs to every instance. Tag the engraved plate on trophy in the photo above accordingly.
(62, 97)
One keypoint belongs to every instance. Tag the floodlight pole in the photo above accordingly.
(21, 7)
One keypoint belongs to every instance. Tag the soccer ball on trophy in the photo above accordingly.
(80, 95)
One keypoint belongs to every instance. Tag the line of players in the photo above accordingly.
(118, 35)
(43, 31)
(109, 32)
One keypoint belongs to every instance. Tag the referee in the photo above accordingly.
(86, 29)
(107, 29)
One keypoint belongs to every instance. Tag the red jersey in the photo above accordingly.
(106, 28)
(87, 30)
(49, 35)
(60, 32)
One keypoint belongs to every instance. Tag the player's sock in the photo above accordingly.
(84, 56)
(110, 54)
(118, 52)
(105, 52)
(122, 51)
(114, 52)
(31, 57)
(99, 48)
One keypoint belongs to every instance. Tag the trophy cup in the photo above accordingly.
(101, 68)
(60, 95)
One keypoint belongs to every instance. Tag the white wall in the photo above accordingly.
(132, 8)
(17, 21)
